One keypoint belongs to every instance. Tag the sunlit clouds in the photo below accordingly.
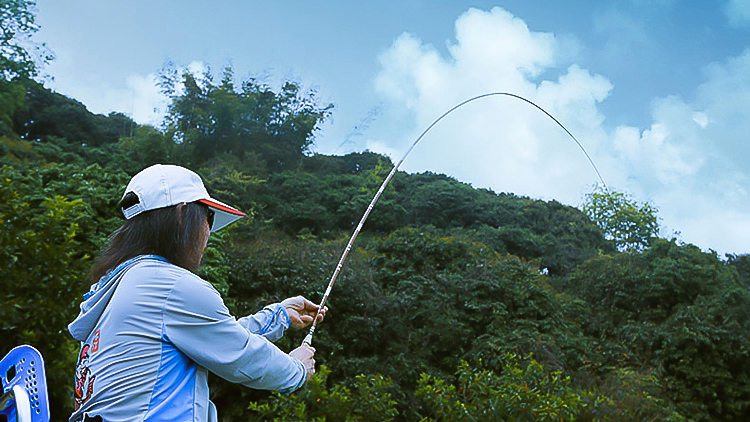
(689, 162)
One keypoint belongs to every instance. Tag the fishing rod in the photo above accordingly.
(308, 338)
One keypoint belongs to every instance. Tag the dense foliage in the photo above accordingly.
(456, 303)
(20, 57)
(625, 222)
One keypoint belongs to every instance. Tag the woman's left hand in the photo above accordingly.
(301, 311)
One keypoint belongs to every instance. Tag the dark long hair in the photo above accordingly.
(175, 233)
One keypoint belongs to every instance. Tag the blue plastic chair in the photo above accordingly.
(24, 384)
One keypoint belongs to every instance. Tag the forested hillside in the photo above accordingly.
(456, 304)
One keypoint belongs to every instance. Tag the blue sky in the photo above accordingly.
(657, 91)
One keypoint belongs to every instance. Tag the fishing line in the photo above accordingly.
(308, 338)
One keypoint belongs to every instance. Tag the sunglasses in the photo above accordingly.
(210, 217)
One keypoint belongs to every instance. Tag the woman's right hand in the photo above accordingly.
(306, 355)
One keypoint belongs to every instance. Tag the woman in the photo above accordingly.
(150, 329)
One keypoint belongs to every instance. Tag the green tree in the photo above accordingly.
(742, 264)
(11, 100)
(625, 222)
(678, 312)
(519, 392)
(648, 287)
(212, 119)
(19, 56)
(47, 116)
(368, 399)
(704, 354)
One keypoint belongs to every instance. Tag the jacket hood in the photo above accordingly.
(96, 300)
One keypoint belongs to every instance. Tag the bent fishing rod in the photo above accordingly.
(308, 338)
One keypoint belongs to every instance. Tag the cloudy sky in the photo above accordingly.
(657, 91)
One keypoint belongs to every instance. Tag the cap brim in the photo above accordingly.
(224, 214)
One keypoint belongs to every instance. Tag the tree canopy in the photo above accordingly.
(625, 222)
(20, 57)
(213, 119)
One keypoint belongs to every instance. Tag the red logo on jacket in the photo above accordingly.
(84, 387)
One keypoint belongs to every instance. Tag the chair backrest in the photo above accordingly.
(24, 386)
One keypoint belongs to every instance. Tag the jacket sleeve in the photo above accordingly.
(198, 323)
(270, 322)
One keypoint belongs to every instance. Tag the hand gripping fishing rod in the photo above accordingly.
(308, 338)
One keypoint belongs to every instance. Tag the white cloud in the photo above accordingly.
(149, 105)
(724, 97)
(738, 12)
(701, 119)
(497, 142)
(140, 99)
(139, 96)
(500, 44)
(691, 161)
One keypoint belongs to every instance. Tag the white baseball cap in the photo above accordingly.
(164, 185)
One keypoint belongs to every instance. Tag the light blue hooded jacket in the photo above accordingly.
(150, 331)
